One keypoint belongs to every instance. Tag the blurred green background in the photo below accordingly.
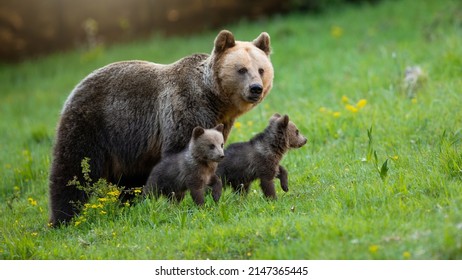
(29, 27)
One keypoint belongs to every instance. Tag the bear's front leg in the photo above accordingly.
(283, 178)
(267, 186)
(217, 187)
(197, 194)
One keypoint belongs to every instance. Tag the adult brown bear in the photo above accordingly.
(126, 115)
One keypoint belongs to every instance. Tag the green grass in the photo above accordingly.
(342, 204)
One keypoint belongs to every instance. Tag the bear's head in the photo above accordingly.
(293, 137)
(243, 70)
(207, 144)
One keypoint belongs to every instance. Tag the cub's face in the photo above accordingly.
(290, 131)
(207, 144)
(244, 70)
(296, 139)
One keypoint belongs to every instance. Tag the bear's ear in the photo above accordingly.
(274, 117)
(198, 131)
(284, 121)
(263, 43)
(224, 41)
(219, 127)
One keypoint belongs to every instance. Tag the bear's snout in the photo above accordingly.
(255, 92)
(256, 88)
(219, 158)
(303, 142)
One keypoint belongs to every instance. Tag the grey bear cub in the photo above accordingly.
(259, 158)
(191, 169)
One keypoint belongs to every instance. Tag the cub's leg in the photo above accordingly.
(267, 186)
(197, 194)
(217, 187)
(283, 178)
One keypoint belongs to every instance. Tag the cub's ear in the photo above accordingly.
(263, 43)
(197, 131)
(224, 41)
(219, 127)
(274, 117)
(284, 121)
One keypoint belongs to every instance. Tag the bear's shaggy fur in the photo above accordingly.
(127, 115)
(259, 158)
(193, 168)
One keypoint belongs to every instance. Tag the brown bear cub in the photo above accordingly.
(259, 158)
(193, 168)
(126, 116)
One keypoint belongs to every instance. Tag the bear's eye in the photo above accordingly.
(261, 71)
(211, 146)
(243, 70)
(222, 145)
(296, 132)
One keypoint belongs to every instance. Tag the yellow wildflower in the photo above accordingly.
(137, 191)
(238, 125)
(406, 255)
(373, 249)
(351, 108)
(345, 99)
(336, 114)
(361, 103)
(323, 109)
(95, 206)
(102, 199)
(102, 212)
(115, 192)
(34, 233)
(336, 31)
(249, 123)
(79, 221)
(32, 201)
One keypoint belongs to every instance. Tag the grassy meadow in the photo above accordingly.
(380, 177)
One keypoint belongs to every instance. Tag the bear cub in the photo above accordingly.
(259, 158)
(193, 168)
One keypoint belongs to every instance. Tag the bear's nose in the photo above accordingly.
(256, 89)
